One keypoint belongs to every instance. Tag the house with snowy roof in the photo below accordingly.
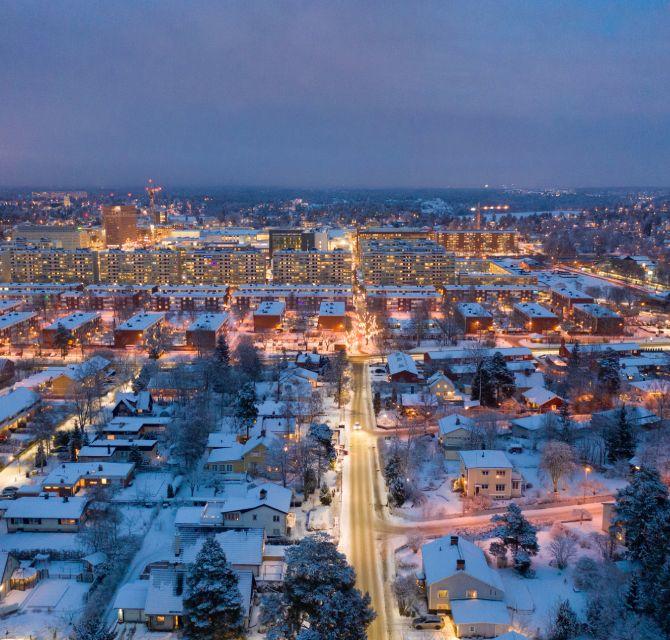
(488, 472)
(459, 580)
(240, 505)
(541, 399)
(455, 433)
(402, 368)
(46, 514)
(227, 454)
(133, 404)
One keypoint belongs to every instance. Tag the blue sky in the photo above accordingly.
(335, 93)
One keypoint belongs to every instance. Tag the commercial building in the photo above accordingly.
(120, 224)
(138, 330)
(57, 236)
(403, 262)
(474, 242)
(80, 325)
(313, 266)
(598, 319)
(534, 317)
(472, 317)
(205, 330)
(296, 240)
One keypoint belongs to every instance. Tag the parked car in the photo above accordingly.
(428, 622)
(515, 449)
(9, 493)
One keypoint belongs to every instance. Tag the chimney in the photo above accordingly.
(454, 541)
(46, 495)
(66, 499)
(99, 467)
(263, 494)
(460, 564)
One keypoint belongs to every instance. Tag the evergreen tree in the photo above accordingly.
(565, 425)
(170, 491)
(503, 378)
(321, 437)
(661, 611)
(135, 456)
(319, 592)
(638, 505)
(212, 602)
(76, 441)
(221, 351)
(608, 373)
(565, 625)
(245, 407)
(633, 594)
(62, 339)
(493, 381)
(40, 456)
(325, 496)
(92, 629)
(516, 534)
(619, 438)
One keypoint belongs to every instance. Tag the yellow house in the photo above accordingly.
(488, 473)
(441, 387)
(228, 455)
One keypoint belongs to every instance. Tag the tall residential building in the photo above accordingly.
(142, 266)
(367, 234)
(31, 264)
(223, 266)
(120, 223)
(315, 267)
(468, 242)
(405, 262)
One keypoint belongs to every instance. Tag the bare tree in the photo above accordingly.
(563, 546)
(558, 461)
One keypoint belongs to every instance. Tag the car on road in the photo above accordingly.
(357, 426)
(9, 493)
(428, 622)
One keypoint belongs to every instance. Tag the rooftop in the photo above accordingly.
(485, 459)
(141, 322)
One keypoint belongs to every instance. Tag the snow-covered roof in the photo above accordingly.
(472, 310)
(440, 559)
(599, 347)
(635, 413)
(454, 422)
(485, 459)
(209, 322)
(538, 396)
(88, 451)
(534, 310)
(596, 310)
(141, 321)
(12, 318)
(16, 402)
(140, 401)
(474, 611)
(74, 321)
(398, 362)
(43, 507)
(531, 423)
(132, 595)
(655, 385)
(165, 592)
(270, 308)
(418, 400)
(327, 308)
(133, 424)
(524, 381)
(70, 473)
(474, 354)
(241, 546)
(247, 496)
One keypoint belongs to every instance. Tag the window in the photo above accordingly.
(67, 521)
(160, 618)
(228, 468)
(275, 518)
(500, 487)
(471, 593)
(485, 472)
(501, 472)
(443, 593)
(485, 486)
(233, 515)
(515, 484)
(254, 517)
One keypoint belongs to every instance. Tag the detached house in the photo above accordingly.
(455, 433)
(458, 580)
(46, 514)
(488, 473)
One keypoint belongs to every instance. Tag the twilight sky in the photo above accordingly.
(335, 93)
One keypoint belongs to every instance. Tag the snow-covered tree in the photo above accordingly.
(92, 629)
(637, 505)
(565, 428)
(321, 437)
(212, 601)
(564, 625)
(246, 410)
(493, 381)
(558, 461)
(319, 592)
(221, 353)
(516, 534)
(608, 373)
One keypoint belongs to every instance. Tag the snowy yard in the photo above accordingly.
(148, 486)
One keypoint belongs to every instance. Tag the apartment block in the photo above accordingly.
(224, 266)
(472, 242)
(405, 262)
(311, 267)
(32, 264)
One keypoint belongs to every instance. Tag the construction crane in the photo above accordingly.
(152, 190)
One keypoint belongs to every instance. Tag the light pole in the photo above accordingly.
(587, 470)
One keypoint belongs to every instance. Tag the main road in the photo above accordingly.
(366, 532)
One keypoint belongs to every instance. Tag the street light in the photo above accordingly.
(587, 470)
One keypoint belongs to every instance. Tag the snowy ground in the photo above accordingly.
(147, 486)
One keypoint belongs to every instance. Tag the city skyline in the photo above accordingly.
(308, 95)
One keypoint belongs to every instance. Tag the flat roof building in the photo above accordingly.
(472, 317)
(534, 317)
